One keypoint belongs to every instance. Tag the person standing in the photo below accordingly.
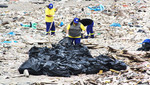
(49, 18)
(89, 23)
(74, 30)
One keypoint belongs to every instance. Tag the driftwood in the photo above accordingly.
(4, 59)
(131, 55)
(138, 53)
(91, 46)
(110, 49)
(45, 83)
(18, 76)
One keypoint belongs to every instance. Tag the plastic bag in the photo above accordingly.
(64, 59)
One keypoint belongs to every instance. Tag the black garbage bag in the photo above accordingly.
(64, 59)
(110, 63)
(65, 42)
(118, 65)
(52, 68)
(34, 66)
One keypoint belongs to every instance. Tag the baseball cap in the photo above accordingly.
(76, 20)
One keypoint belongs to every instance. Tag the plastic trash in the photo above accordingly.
(61, 24)
(11, 33)
(102, 7)
(32, 25)
(125, 5)
(115, 25)
(9, 42)
(97, 8)
(25, 25)
(15, 41)
(24, 12)
(65, 59)
(99, 33)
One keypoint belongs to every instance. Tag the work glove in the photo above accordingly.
(67, 35)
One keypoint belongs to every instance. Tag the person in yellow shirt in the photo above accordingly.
(74, 31)
(49, 18)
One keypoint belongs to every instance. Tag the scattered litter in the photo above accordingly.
(61, 24)
(32, 25)
(11, 33)
(115, 25)
(9, 42)
(97, 8)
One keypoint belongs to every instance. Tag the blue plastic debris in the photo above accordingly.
(32, 25)
(9, 41)
(61, 24)
(24, 12)
(11, 33)
(21, 24)
(15, 41)
(115, 25)
(97, 8)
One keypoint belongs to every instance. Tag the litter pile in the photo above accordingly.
(65, 59)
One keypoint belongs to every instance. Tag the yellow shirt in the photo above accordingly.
(82, 27)
(49, 12)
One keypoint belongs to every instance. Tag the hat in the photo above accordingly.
(50, 6)
(146, 41)
(76, 20)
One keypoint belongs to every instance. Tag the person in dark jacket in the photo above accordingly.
(89, 23)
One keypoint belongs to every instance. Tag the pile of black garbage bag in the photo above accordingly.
(64, 59)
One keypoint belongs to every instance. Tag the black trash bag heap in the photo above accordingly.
(64, 59)
(145, 45)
